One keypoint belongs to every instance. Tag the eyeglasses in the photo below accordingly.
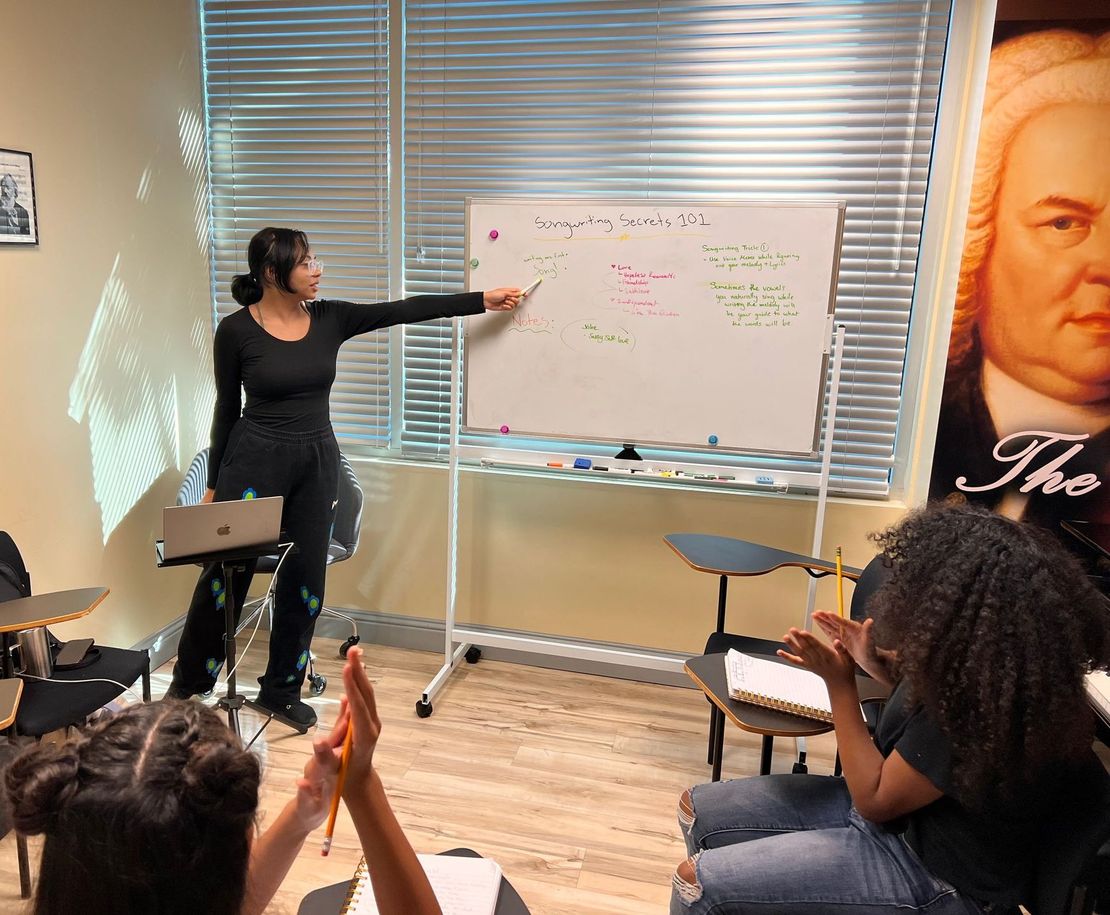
(314, 265)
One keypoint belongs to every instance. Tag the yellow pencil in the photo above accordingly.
(839, 584)
(344, 757)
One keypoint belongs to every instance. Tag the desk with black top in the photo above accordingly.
(329, 900)
(727, 557)
(708, 672)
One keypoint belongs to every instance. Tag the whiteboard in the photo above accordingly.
(692, 324)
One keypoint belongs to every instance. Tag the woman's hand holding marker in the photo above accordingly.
(506, 298)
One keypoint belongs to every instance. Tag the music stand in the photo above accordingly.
(230, 561)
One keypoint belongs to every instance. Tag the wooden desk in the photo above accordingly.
(48, 609)
(708, 672)
(726, 556)
(10, 691)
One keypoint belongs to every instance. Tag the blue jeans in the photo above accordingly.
(780, 844)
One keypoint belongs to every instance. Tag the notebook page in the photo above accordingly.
(775, 681)
(463, 886)
(1098, 692)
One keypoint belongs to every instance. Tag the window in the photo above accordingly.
(681, 99)
(298, 134)
(661, 99)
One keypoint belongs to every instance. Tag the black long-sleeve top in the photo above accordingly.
(288, 382)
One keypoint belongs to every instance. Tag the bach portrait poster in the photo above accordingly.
(1025, 417)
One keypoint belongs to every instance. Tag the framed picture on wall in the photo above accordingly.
(18, 218)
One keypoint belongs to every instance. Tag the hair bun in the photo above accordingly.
(225, 778)
(246, 289)
(40, 782)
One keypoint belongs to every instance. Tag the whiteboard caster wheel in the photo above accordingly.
(473, 655)
(345, 647)
(423, 709)
(317, 684)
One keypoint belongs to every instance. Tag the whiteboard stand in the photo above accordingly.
(461, 643)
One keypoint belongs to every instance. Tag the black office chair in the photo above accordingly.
(56, 704)
(1073, 866)
(874, 575)
(344, 543)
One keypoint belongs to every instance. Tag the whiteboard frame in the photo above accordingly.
(700, 447)
(458, 640)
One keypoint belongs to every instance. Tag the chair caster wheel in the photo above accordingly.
(208, 694)
(799, 768)
(473, 654)
(345, 647)
(423, 709)
(317, 684)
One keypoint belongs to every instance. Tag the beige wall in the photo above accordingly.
(582, 558)
(104, 365)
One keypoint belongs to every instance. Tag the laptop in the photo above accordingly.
(218, 527)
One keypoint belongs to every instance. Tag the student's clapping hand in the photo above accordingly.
(859, 642)
(316, 786)
(831, 663)
(505, 298)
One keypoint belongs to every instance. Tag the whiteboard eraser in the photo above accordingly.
(765, 480)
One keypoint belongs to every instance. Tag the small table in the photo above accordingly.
(10, 691)
(329, 900)
(726, 556)
(45, 610)
(708, 672)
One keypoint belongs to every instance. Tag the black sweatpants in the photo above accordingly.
(304, 468)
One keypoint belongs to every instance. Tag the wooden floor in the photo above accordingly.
(568, 780)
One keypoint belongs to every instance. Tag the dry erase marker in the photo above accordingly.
(532, 285)
(554, 464)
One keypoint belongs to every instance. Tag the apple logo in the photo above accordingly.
(223, 530)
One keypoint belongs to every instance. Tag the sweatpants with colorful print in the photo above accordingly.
(303, 467)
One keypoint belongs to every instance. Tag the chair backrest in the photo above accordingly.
(348, 513)
(1070, 844)
(195, 482)
(14, 580)
(875, 574)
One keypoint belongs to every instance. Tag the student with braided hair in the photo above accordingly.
(153, 811)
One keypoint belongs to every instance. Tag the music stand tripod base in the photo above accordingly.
(230, 562)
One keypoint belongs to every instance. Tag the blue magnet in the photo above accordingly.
(493, 234)
(712, 440)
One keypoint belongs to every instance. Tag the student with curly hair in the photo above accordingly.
(984, 628)
(153, 811)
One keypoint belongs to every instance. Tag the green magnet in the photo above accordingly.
(473, 263)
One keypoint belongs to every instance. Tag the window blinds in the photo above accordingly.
(298, 114)
(680, 99)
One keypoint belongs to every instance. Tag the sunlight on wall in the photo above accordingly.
(190, 133)
(124, 389)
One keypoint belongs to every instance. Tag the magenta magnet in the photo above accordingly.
(493, 234)
(504, 430)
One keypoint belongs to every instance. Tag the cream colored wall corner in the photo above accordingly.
(104, 358)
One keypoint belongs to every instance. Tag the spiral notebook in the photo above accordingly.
(779, 686)
(463, 886)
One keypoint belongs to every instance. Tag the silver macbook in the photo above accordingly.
(216, 527)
